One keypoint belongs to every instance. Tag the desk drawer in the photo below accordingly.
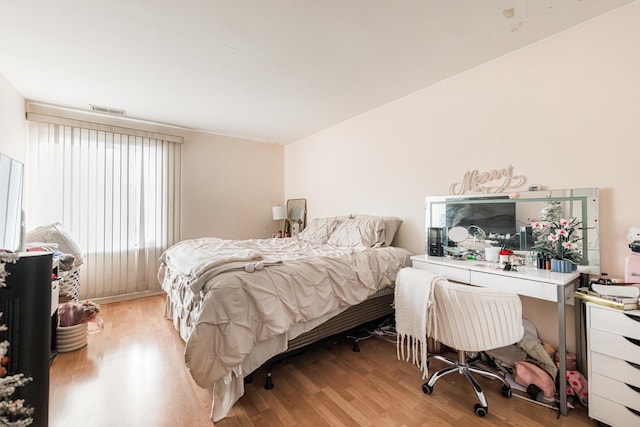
(614, 345)
(615, 368)
(612, 413)
(454, 274)
(530, 288)
(615, 321)
(614, 390)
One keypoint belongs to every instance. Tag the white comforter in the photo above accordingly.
(235, 302)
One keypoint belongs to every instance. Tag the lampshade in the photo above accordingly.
(279, 212)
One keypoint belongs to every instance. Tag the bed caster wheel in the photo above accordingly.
(426, 388)
(506, 391)
(481, 411)
(268, 385)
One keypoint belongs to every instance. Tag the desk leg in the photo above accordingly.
(562, 349)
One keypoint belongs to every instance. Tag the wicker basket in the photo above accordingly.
(70, 284)
(71, 338)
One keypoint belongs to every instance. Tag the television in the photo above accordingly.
(11, 218)
(493, 217)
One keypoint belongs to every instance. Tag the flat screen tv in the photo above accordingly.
(11, 178)
(492, 217)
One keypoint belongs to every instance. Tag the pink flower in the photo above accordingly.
(563, 222)
(569, 245)
(562, 232)
(553, 237)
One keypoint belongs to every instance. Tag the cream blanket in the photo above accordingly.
(414, 315)
(200, 259)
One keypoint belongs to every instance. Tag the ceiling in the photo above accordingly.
(266, 70)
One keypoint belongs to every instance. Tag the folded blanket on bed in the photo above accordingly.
(413, 301)
(200, 259)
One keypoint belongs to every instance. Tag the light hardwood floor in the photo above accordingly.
(133, 374)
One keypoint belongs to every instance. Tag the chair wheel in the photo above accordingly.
(426, 388)
(506, 391)
(481, 411)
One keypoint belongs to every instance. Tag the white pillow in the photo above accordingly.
(358, 233)
(56, 233)
(391, 226)
(318, 230)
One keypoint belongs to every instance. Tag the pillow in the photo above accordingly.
(391, 226)
(56, 233)
(318, 230)
(358, 232)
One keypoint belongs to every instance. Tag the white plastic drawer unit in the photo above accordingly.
(614, 365)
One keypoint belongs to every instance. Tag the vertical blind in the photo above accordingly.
(116, 191)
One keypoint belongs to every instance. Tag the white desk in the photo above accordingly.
(527, 281)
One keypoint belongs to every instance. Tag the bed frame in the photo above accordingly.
(377, 306)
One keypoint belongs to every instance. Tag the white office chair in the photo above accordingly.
(469, 318)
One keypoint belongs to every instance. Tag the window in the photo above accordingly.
(116, 190)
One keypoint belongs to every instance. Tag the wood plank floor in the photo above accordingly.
(133, 374)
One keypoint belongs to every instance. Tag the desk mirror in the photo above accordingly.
(504, 221)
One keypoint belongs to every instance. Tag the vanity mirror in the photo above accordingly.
(499, 220)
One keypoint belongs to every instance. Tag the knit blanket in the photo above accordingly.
(414, 305)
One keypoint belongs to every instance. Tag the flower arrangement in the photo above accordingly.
(558, 239)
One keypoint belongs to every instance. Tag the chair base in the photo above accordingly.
(465, 368)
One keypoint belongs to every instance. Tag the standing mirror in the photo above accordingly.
(297, 215)
(498, 220)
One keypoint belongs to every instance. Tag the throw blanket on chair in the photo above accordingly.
(413, 301)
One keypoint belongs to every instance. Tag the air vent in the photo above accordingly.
(108, 110)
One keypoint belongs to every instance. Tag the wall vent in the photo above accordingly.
(108, 110)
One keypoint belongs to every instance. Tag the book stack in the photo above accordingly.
(606, 296)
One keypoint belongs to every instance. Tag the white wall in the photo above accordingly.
(13, 125)
(229, 186)
(564, 112)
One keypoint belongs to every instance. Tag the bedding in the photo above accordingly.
(238, 303)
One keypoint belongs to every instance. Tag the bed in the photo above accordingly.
(239, 303)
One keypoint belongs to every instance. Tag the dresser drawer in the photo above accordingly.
(614, 345)
(615, 321)
(612, 413)
(615, 368)
(454, 274)
(614, 390)
(55, 295)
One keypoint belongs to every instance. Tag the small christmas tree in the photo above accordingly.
(13, 413)
(549, 214)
